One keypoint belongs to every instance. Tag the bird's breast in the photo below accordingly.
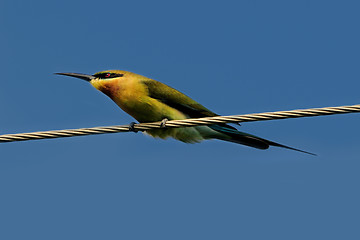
(133, 97)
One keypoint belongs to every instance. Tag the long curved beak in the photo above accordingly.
(78, 75)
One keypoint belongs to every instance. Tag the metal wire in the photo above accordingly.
(311, 112)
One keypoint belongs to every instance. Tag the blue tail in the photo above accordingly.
(248, 139)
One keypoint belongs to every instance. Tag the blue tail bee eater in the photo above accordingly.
(148, 100)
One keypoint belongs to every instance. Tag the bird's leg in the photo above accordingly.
(163, 123)
(132, 127)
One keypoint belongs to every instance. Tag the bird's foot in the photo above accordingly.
(132, 127)
(163, 123)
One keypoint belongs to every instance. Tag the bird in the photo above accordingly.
(148, 100)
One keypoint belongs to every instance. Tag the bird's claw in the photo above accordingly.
(132, 127)
(163, 123)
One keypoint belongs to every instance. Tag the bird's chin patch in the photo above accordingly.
(98, 83)
(105, 86)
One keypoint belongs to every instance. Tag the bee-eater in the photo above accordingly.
(148, 100)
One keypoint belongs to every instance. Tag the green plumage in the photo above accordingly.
(148, 100)
(193, 109)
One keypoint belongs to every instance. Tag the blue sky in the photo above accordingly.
(234, 57)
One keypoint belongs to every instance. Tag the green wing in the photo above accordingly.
(176, 99)
(183, 103)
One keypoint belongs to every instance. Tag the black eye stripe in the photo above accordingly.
(108, 75)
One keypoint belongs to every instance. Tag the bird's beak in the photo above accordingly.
(78, 75)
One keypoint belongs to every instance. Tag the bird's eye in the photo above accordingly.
(107, 75)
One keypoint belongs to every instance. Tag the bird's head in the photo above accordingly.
(105, 81)
(102, 76)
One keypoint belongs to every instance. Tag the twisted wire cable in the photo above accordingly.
(311, 112)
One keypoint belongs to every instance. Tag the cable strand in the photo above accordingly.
(311, 112)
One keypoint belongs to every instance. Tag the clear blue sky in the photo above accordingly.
(234, 57)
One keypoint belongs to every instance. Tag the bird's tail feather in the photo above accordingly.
(287, 147)
(233, 135)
